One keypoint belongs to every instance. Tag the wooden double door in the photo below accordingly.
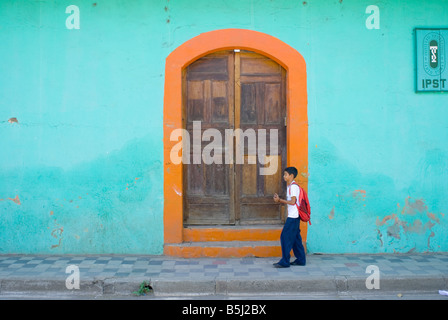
(225, 91)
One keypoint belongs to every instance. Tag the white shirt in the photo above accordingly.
(293, 190)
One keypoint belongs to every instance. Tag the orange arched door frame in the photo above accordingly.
(296, 109)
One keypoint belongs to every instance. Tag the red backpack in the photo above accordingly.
(304, 208)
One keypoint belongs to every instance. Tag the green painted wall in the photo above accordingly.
(85, 158)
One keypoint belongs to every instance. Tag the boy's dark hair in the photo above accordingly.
(292, 170)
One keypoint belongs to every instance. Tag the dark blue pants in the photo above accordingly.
(291, 239)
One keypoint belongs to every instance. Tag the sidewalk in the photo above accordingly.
(122, 274)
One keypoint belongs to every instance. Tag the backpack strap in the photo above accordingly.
(297, 200)
(298, 208)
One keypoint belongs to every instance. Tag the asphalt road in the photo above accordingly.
(341, 296)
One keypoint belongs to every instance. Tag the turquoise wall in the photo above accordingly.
(82, 170)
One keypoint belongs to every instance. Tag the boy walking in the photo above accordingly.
(290, 237)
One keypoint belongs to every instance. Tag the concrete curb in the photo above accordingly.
(326, 285)
(98, 286)
(222, 286)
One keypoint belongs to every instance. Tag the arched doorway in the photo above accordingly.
(223, 92)
(296, 109)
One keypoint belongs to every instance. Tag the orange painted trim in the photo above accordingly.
(192, 234)
(209, 42)
(222, 252)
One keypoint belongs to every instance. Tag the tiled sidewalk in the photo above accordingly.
(161, 267)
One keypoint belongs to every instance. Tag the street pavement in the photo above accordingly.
(348, 276)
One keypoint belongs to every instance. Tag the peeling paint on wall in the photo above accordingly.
(412, 218)
(331, 216)
(16, 200)
(355, 212)
(359, 195)
(86, 209)
(178, 192)
(57, 234)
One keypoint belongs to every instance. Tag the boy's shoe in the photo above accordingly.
(295, 263)
(278, 265)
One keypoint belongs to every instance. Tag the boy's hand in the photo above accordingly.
(276, 198)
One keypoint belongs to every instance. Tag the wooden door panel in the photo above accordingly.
(262, 107)
(217, 183)
(273, 103)
(195, 179)
(206, 213)
(273, 182)
(211, 67)
(208, 98)
(220, 102)
(254, 64)
(228, 90)
(259, 213)
(249, 178)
